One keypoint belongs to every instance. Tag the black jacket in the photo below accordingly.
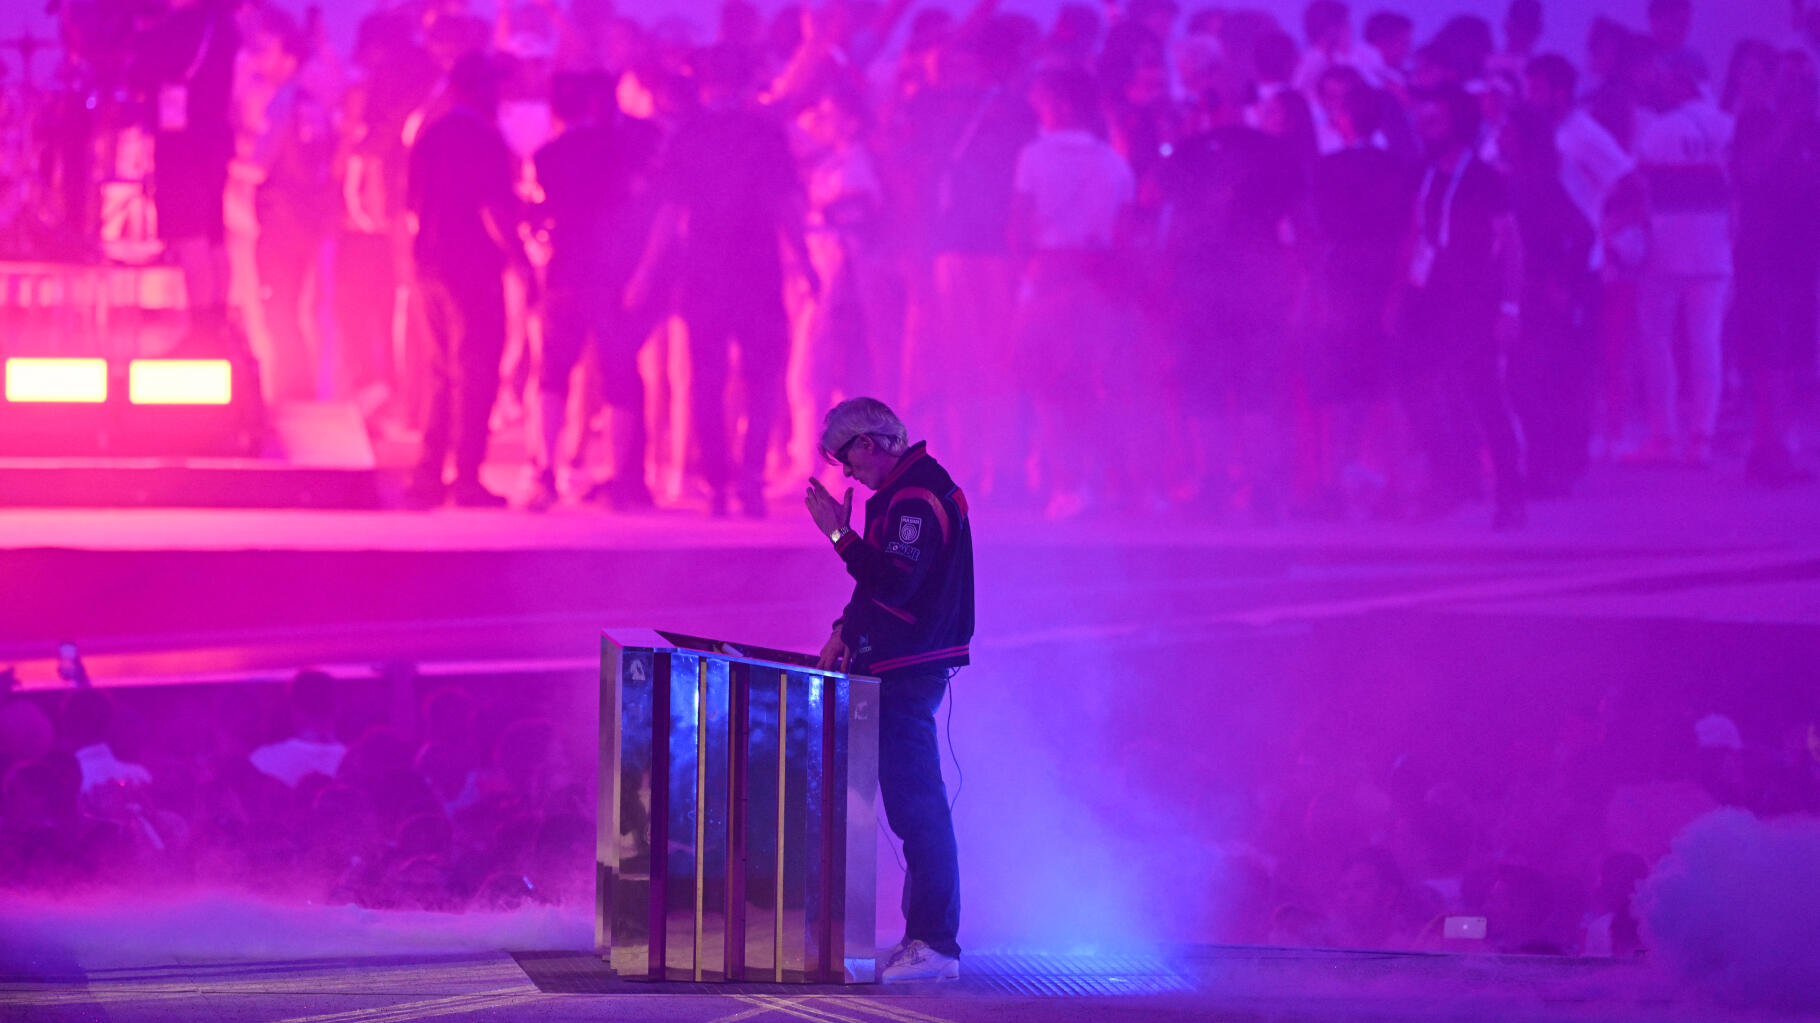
(912, 606)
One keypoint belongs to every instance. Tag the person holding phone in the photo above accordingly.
(70, 667)
(909, 622)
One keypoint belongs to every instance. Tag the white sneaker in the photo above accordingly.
(918, 961)
(887, 956)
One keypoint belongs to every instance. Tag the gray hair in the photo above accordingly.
(868, 416)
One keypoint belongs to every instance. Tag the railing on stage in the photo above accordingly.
(737, 837)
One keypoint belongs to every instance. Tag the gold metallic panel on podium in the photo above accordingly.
(737, 838)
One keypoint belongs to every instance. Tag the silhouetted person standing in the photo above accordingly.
(1361, 196)
(1776, 163)
(296, 205)
(1552, 369)
(593, 178)
(1463, 303)
(1230, 187)
(730, 195)
(461, 192)
(188, 63)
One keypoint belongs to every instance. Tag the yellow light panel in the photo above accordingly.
(180, 382)
(56, 380)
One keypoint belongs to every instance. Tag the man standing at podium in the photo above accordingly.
(909, 622)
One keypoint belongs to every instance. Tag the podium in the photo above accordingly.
(737, 837)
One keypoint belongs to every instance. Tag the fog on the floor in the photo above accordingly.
(1734, 908)
(1349, 782)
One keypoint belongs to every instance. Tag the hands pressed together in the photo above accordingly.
(828, 513)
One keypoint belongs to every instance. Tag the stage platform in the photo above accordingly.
(156, 595)
(312, 455)
(1206, 984)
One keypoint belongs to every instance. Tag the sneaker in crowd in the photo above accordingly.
(424, 493)
(544, 494)
(752, 502)
(471, 494)
(622, 495)
(918, 961)
(634, 496)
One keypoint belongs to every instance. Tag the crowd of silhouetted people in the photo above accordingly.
(1136, 260)
(459, 798)
(1367, 827)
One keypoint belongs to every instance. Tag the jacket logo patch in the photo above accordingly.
(903, 550)
(909, 528)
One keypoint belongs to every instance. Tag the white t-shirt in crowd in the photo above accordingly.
(1076, 184)
(101, 767)
(296, 758)
(1592, 164)
(1683, 156)
(1696, 132)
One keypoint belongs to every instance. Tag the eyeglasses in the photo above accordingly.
(840, 455)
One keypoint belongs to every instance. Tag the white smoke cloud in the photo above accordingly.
(1735, 908)
(226, 926)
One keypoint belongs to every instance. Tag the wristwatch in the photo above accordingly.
(838, 533)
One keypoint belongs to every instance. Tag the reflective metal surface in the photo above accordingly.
(715, 787)
(678, 892)
(802, 849)
(763, 766)
(623, 913)
(739, 680)
(859, 901)
(816, 850)
(755, 783)
(793, 832)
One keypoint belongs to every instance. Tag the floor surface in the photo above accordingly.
(1213, 984)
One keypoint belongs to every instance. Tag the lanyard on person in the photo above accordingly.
(174, 97)
(202, 52)
(1445, 235)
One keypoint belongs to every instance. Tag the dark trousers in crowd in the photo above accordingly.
(467, 320)
(1458, 398)
(763, 334)
(574, 317)
(916, 806)
(575, 321)
(1553, 376)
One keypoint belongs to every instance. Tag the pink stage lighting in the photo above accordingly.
(56, 380)
(180, 382)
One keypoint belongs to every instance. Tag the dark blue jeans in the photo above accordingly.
(916, 805)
